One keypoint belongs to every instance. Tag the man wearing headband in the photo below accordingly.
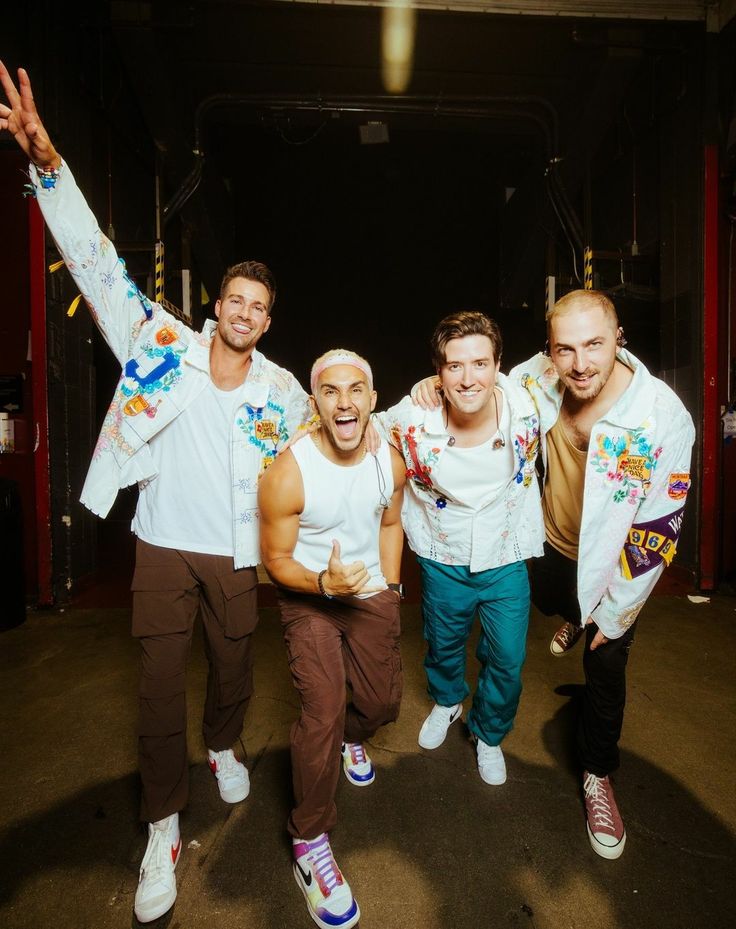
(195, 418)
(472, 516)
(331, 539)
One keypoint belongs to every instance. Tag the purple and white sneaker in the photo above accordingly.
(356, 764)
(329, 899)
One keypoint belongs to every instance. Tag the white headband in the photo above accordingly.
(340, 358)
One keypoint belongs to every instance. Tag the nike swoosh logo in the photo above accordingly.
(175, 849)
(455, 715)
(305, 875)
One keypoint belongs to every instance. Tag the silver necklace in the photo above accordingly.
(498, 442)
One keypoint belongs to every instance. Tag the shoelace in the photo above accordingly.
(567, 634)
(487, 752)
(226, 763)
(440, 717)
(601, 807)
(325, 867)
(158, 855)
(357, 755)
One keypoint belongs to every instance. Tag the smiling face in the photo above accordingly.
(344, 400)
(468, 374)
(582, 344)
(243, 314)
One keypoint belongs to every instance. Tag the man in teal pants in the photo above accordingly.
(472, 516)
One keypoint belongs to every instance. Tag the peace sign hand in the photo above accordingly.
(22, 121)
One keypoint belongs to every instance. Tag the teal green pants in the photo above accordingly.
(451, 597)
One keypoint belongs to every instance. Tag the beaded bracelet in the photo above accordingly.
(321, 585)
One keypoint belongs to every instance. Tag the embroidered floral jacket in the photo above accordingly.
(508, 527)
(165, 365)
(636, 480)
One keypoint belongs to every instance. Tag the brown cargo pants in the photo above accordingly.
(331, 644)
(170, 587)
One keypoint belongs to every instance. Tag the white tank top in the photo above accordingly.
(343, 503)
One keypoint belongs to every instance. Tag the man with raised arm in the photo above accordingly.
(195, 419)
(472, 516)
(616, 445)
(331, 538)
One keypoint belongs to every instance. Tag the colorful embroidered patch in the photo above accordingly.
(678, 485)
(166, 336)
(135, 405)
(627, 461)
(266, 429)
(636, 467)
(648, 544)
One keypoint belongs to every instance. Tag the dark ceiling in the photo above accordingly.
(368, 241)
(273, 94)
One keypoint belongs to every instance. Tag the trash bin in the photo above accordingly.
(12, 579)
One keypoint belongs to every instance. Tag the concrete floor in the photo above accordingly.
(428, 845)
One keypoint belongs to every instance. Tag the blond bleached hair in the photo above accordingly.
(593, 299)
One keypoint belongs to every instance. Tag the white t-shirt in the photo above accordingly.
(478, 474)
(189, 505)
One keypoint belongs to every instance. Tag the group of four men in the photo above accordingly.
(325, 516)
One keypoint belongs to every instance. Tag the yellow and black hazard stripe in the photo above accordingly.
(159, 273)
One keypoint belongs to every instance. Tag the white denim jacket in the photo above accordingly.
(508, 528)
(165, 366)
(636, 481)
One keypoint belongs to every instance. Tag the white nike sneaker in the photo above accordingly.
(232, 775)
(157, 883)
(435, 726)
(491, 763)
(330, 900)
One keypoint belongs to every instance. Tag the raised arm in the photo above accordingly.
(117, 305)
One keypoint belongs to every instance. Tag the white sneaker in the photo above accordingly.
(232, 775)
(157, 883)
(491, 764)
(435, 726)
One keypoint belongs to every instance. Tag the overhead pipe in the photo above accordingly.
(472, 107)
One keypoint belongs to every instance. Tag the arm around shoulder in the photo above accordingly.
(391, 537)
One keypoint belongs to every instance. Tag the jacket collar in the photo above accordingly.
(636, 402)
(254, 390)
(631, 408)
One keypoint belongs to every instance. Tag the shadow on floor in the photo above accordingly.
(428, 836)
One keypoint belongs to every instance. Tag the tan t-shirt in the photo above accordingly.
(562, 501)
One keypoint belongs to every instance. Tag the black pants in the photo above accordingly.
(554, 592)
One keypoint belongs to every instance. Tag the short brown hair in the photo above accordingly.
(458, 325)
(251, 271)
(596, 298)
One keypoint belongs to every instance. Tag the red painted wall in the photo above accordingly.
(14, 341)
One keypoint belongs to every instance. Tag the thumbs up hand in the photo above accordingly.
(345, 580)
